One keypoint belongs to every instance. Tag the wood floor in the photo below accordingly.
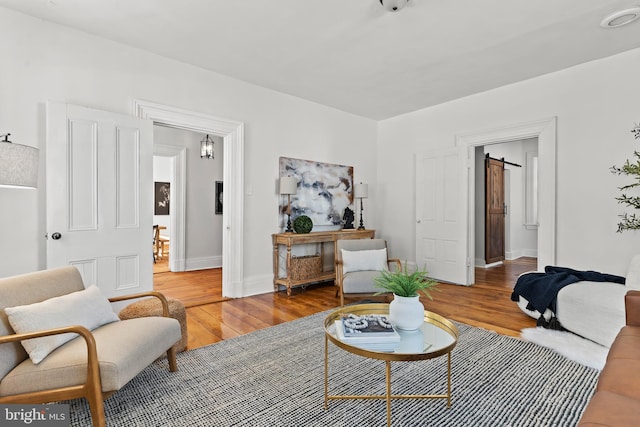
(486, 304)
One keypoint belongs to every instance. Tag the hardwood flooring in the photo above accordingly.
(193, 288)
(486, 304)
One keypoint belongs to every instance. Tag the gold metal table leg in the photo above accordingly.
(326, 372)
(387, 396)
(388, 366)
(449, 380)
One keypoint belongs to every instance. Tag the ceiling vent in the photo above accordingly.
(620, 18)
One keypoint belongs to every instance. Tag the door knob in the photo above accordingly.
(56, 236)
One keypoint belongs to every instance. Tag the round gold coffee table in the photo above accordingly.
(436, 337)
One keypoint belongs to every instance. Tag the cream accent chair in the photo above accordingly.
(94, 365)
(356, 274)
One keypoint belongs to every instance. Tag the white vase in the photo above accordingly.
(406, 313)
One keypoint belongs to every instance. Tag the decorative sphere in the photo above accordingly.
(302, 224)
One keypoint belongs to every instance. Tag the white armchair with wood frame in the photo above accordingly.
(60, 340)
(358, 263)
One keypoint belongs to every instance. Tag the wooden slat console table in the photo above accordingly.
(322, 237)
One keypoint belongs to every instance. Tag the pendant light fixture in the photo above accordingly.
(206, 148)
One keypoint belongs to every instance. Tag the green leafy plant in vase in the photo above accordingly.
(406, 312)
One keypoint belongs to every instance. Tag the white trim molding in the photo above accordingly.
(177, 207)
(233, 175)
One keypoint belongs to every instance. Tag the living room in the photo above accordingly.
(593, 105)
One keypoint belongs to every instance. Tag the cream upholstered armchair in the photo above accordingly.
(60, 341)
(358, 263)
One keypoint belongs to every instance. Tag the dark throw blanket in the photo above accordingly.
(541, 289)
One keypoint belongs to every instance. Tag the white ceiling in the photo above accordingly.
(352, 54)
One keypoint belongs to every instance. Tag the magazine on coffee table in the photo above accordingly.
(372, 332)
(382, 342)
(369, 325)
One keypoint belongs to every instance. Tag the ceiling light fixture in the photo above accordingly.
(621, 17)
(206, 148)
(393, 5)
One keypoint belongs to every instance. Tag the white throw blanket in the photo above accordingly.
(570, 345)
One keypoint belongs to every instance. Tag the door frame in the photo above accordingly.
(177, 207)
(232, 133)
(545, 131)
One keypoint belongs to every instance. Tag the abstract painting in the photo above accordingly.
(324, 191)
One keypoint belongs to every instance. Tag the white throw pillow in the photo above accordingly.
(368, 260)
(633, 275)
(88, 308)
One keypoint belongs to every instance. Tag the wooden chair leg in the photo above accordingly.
(171, 357)
(96, 406)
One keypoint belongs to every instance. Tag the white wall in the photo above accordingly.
(50, 62)
(596, 106)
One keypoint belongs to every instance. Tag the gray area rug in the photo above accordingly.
(274, 377)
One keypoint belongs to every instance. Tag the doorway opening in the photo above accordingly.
(232, 134)
(545, 132)
(506, 220)
(203, 218)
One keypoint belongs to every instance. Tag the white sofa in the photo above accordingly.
(593, 310)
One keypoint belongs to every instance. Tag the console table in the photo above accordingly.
(322, 237)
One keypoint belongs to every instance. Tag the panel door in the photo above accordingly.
(99, 197)
(494, 211)
(441, 215)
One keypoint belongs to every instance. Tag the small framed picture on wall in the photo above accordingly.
(218, 200)
(162, 195)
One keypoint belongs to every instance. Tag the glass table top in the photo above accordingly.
(436, 336)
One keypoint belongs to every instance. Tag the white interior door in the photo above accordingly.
(99, 197)
(441, 214)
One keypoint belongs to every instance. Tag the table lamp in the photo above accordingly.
(288, 186)
(361, 191)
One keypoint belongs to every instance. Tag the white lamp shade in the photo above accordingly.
(288, 185)
(18, 165)
(361, 191)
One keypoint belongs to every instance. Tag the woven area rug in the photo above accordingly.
(274, 377)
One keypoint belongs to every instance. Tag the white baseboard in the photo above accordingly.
(480, 263)
(203, 263)
(532, 253)
(256, 285)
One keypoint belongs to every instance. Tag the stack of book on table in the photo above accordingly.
(371, 332)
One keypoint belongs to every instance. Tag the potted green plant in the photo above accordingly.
(632, 169)
(406, 311)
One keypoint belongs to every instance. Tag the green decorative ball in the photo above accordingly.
(302, 224)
